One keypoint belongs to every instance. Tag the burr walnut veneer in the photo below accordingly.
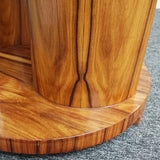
(71, 72)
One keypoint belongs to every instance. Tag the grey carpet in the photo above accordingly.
(136, 143)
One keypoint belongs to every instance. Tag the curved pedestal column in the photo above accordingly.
(88, 53)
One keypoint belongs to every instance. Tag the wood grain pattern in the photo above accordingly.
(15, 40)
(24, 20)
(30, 124)
(57, 45)
(142, 49)
(88, 51)
(9, 23)
(20, 51)
(14, 23)
(16, 62)
(86, 57)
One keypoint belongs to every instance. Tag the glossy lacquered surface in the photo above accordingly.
(14, 23)
(69, 72)
(30, 124)
(88, 53)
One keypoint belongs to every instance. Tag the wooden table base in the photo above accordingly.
(30, 124)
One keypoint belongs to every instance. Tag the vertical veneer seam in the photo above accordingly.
(10, 142)
(77, 65)
(84, 77)
(104, 137)
(83, 49)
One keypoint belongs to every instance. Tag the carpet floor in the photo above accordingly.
(136, 143)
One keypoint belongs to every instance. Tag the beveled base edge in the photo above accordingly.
(30, 124)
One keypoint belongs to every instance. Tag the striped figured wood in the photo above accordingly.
(89, 53)
(14, 23)
(16, 62)
(78, 84)
(30, 124)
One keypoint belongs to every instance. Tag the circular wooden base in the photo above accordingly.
(30, 124)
